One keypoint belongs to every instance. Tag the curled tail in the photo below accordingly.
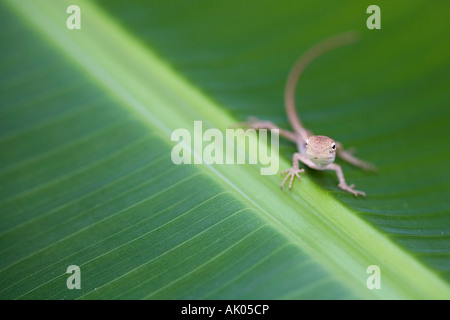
(301, 64)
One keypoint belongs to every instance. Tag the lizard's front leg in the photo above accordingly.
(342, 184)
(295, 170)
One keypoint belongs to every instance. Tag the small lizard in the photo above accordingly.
(317, 152)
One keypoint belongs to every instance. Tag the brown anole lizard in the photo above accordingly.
(317, 152)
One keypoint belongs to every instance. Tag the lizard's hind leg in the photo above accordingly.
(350, 158)
(255, 123)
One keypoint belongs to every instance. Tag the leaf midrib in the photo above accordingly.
(329, 230)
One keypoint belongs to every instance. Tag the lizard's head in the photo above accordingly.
(321, 150)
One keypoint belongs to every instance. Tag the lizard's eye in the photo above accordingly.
(333, 146)
(307, 141)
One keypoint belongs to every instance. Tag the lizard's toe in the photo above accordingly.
(290, 174)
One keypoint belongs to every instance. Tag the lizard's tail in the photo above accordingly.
(301, 64)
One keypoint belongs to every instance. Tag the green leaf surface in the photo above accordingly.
(86, 176)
